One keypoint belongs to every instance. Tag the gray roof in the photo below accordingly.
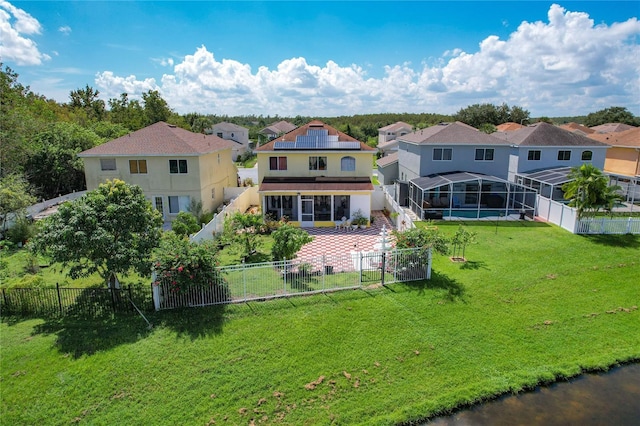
(545, 134)
(396, 126)
(228, 127)
(278, 127)
(389, 159)
(456, 133)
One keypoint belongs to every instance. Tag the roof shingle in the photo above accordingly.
(160, 139)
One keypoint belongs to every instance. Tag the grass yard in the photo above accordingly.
(533, 303)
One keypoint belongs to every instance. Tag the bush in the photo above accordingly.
(185, 265)
(185, 224)
(21, 231)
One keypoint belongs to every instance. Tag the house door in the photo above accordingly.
(306, 211)
(159, 205)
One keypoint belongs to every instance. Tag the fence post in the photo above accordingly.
(360, 268)
(113, 299)
(59, 298)
(155, 291)
(324, 269)
(384, 264)
(244, 279)
(629, 225)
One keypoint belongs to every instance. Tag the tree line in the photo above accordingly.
(40, 138)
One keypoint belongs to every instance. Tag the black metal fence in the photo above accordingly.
(62, 301)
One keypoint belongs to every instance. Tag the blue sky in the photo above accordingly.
(332, 58)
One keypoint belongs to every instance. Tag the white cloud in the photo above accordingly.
(15, 24)
(565, 66)
(66, 30)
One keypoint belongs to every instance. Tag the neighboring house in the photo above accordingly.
(276, 129)
(455, 170)
(612, 127)
(575, 127)
(508, 126)
(232, 132)
(545, 146)
(448, 147)
(388, 147)
(388, 169)
(393, 131)
(173, 166)
(623, 158)
(314, 176)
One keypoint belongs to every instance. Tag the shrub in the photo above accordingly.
(185, 224)
(21, 231)
(185, 265)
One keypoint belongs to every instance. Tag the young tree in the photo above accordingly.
(589, 190)
(287, 241)
(111, 230)
(461, 239)
(243, 229)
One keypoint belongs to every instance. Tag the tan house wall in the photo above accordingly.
(623, 161)
(206, 177)
(298, 164)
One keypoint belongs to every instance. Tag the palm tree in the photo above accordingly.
(589, 191)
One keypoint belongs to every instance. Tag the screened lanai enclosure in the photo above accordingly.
(465, 195)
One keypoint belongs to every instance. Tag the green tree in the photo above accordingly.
(128, 113)
(588, 191)
(185, 224)
(487, 128)
(15, 197)
(614, 114)
(243, 229)
(184, 265)
(287, 241)
(477, 115)
(155, 108)
(461, 239)
(422, 238)
(86, 104)
(111, 231)
(54, 168)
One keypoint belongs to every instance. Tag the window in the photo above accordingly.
(177, 166)
(219, 134)
(587, 155)
(533, 155)
(178, 204)
(137, 167)
(483, 154)
(317, 163)
(277, 163)
(564, 155)
(347, 164)
(442, 154)
(107, 164)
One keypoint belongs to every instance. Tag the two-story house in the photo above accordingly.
(454, 169)
(173, 166)
(232, 132)
(276, 129)
(393, 131)
(314, 176)
(622, 163)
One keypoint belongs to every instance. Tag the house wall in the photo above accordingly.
(205, 179)
(417, 160)
(298, 163)
(388, 174)
(549, 157)
(623, 161)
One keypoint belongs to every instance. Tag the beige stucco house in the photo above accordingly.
(315, 175)
(173, 166)
(237, 134)
(393, 131)
(623, 158)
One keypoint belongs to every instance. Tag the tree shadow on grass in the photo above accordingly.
(193, 322)
(629, 241)
(474, 265)
(79, 335)
(455, 290)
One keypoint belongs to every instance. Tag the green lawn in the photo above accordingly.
(533, 303)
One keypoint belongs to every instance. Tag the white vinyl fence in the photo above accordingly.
(261, 281)
(608, 226)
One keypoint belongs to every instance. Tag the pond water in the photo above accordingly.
(611, 398)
